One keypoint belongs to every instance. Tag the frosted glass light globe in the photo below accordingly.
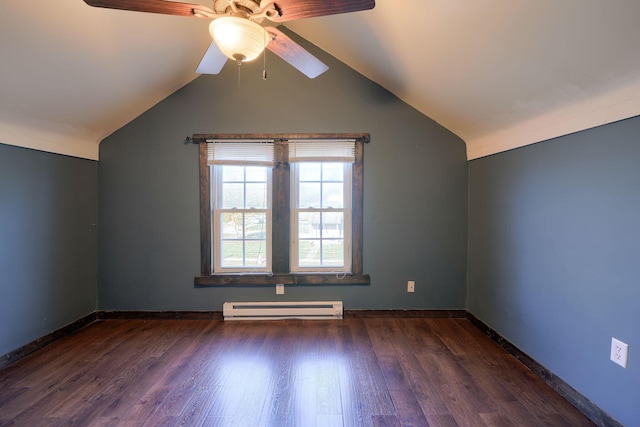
(238, 38)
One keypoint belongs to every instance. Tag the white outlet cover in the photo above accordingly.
(411, 286)
(619, 352)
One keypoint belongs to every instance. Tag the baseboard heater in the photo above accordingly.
(282, 310)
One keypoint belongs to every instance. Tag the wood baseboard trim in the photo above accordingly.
(160, 315)
(430, 314)
(574, 397)
(41, 342)
(217, 315)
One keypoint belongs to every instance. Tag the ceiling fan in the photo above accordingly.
(237, 31)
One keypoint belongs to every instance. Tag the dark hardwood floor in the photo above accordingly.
(352, 372)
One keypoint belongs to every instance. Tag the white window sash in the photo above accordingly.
(216, 214)
(347, 235)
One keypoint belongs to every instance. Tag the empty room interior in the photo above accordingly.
(476, 254)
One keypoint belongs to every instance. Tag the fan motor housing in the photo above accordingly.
(243, 9)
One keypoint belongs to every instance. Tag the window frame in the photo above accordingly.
(216, 192)
(345, 210)
(281, 214)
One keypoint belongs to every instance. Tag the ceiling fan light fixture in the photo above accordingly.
(238, 38)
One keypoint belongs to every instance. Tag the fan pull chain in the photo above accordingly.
(264, 64)
(239, 64)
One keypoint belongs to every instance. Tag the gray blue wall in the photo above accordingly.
(415, 191)
(48, 243)
(554, 257)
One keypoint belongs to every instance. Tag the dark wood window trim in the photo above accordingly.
(281, 216)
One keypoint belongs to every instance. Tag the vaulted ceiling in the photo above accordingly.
(498, 73)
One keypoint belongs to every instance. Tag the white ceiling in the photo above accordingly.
(498, 73)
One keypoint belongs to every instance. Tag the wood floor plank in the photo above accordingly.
(211, 421)
(351, 372)
(106, 422)
(526, 387)
(184, 379)
(304, 395)
(459, 390)
(244, 371)
(413, 333)
(60, 355)
(442, 420)
(490, 363)
(73, 380)
(170, 347)
(479, 355)
(121, 378)
(389, 347)
(279, 409)
(328, 401)
(386, 421)
(363, 389)
(55, 350)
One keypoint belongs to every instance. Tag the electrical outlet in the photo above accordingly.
(619, 352)
(411, 286)
(279, 288)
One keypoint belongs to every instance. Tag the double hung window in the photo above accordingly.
(281, 209)
(321, 205)
(241, 206)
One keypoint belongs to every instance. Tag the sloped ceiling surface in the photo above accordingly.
(498, 73)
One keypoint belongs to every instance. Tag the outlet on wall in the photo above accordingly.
(411, 286)
(619, 352)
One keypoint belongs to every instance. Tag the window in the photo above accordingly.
(281, 209)
(241, 205)
(321, 205)
(242, 218)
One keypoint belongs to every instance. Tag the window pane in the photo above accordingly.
(332, 224)
(332, 195)
(232, 225)
(309, 253)
(309, 195)
(232, 196)
(308, 224)
(243, 229)
(255, 253)
(255, 226)
(332, 253)
(231, 253)
(309, 171)
(333, 172)
(232, 173)
(257, 173)
(257, 195)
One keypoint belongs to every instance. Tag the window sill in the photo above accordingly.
(285, 279)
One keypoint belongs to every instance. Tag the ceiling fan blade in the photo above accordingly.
(212, 61)
(154, 6)
(298, 9)
(295, 54)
